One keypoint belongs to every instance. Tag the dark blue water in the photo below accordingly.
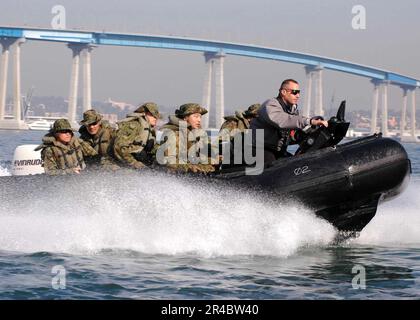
(160, 238)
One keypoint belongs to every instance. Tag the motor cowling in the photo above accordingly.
(27, 161)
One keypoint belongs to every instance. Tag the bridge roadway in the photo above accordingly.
(83, 42)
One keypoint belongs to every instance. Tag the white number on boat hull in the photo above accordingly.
(301, 170)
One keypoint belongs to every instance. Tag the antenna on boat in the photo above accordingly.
(341, 111)
(27, 101)
(332, 102)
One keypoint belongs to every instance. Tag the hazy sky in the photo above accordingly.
(322, 27)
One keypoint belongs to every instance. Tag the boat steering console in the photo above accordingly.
(312, 138)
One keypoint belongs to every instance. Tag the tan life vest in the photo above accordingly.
(66, 156)
(185, 138)
(101, 141)
(134, 133)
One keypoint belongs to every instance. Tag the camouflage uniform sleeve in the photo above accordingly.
(107, 161)
(189, 167)
(87, 149)
(208, 154)
(206, 164)
(201, 168)
(229, 125)
(51, 166)
(215, 154)
(225, 131)
(175, 164)
(123, 147)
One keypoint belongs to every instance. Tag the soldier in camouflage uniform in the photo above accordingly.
(99, 135)
(239, 122)
(231, 128)
(135, 140)
(183, 140)
(62, 152)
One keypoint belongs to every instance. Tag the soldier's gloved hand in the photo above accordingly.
(217, 160)
(138, 165)
(210, 168)
(205, 168)
(194, 168)
(180, 168)
(77, 170)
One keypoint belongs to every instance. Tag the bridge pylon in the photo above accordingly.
(214, 61)
(385, 86)
(16, 123)
(375, 104)
(79, 50)
(412, 137)
(314, 74)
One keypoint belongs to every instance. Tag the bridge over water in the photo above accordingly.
(83, 42)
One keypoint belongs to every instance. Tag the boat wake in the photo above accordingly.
(159, 214)
(4, 171)
(396, 222)
(153, 214)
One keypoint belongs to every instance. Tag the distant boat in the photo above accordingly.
(357, 133)
(42, 124)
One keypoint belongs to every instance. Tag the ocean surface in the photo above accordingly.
(162, 238)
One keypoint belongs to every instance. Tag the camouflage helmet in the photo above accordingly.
(61, 125)
(189, 108)
(90, 116)
(149, 107)
(252, 110)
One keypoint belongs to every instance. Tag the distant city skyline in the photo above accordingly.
(390, 41)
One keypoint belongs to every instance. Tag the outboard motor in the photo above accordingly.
(27, 161)
(317, 137)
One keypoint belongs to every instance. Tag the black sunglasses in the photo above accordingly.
(93, 124)
(294, 92)
(65, 131)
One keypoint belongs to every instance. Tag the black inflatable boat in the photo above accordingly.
(343, 183)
